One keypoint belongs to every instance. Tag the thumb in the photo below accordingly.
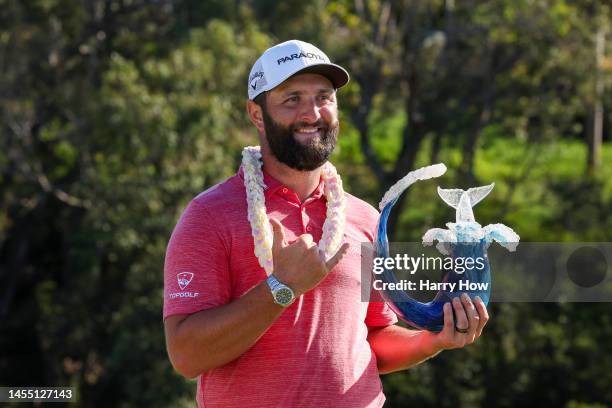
(278, 240)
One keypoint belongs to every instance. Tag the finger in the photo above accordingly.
(461, 319)
(472, 315)
(278, 238)
(449, 321)
(337, 256)
(483, 313)
(306, 239)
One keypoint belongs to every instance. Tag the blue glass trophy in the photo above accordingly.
(464, 238)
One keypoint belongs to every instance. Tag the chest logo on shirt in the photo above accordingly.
(184, 279)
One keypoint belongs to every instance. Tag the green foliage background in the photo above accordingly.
(115, 113)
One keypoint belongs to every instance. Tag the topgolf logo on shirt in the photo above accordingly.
(184, 279)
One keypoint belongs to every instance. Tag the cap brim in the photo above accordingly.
(335, 73)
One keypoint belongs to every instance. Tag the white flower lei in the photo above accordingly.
(333, 228)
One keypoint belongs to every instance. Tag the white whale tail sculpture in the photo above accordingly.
(464, 200)
(465, 228)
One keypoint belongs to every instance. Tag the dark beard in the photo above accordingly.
(298, 156)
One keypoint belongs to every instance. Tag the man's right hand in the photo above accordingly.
(300, 265)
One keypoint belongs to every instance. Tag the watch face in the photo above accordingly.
(284, 296)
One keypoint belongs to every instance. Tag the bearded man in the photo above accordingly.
(262, 294)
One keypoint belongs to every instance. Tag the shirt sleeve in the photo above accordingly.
(196, 268)
(379, 313)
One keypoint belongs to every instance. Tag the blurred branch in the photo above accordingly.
(595, 132)
(31, 168)
(60, 194)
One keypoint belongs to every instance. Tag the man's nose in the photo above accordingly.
(310, 111)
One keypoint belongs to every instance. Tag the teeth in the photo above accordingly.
(308, 130)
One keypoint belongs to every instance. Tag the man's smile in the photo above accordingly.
(308, 132)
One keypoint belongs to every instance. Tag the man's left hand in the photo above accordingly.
(466, 327)
(398, 348)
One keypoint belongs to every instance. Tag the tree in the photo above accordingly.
(108, 130)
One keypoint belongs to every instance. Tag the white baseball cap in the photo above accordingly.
(280, 62)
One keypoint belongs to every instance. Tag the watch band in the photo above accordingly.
(282, 294)
(273, 283)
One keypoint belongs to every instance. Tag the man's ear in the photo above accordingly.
(256, 115)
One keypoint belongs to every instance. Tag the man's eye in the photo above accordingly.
(292, 99)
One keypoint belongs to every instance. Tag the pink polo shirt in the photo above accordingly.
(316, 353)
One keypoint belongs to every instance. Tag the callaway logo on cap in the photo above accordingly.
(280, 62)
